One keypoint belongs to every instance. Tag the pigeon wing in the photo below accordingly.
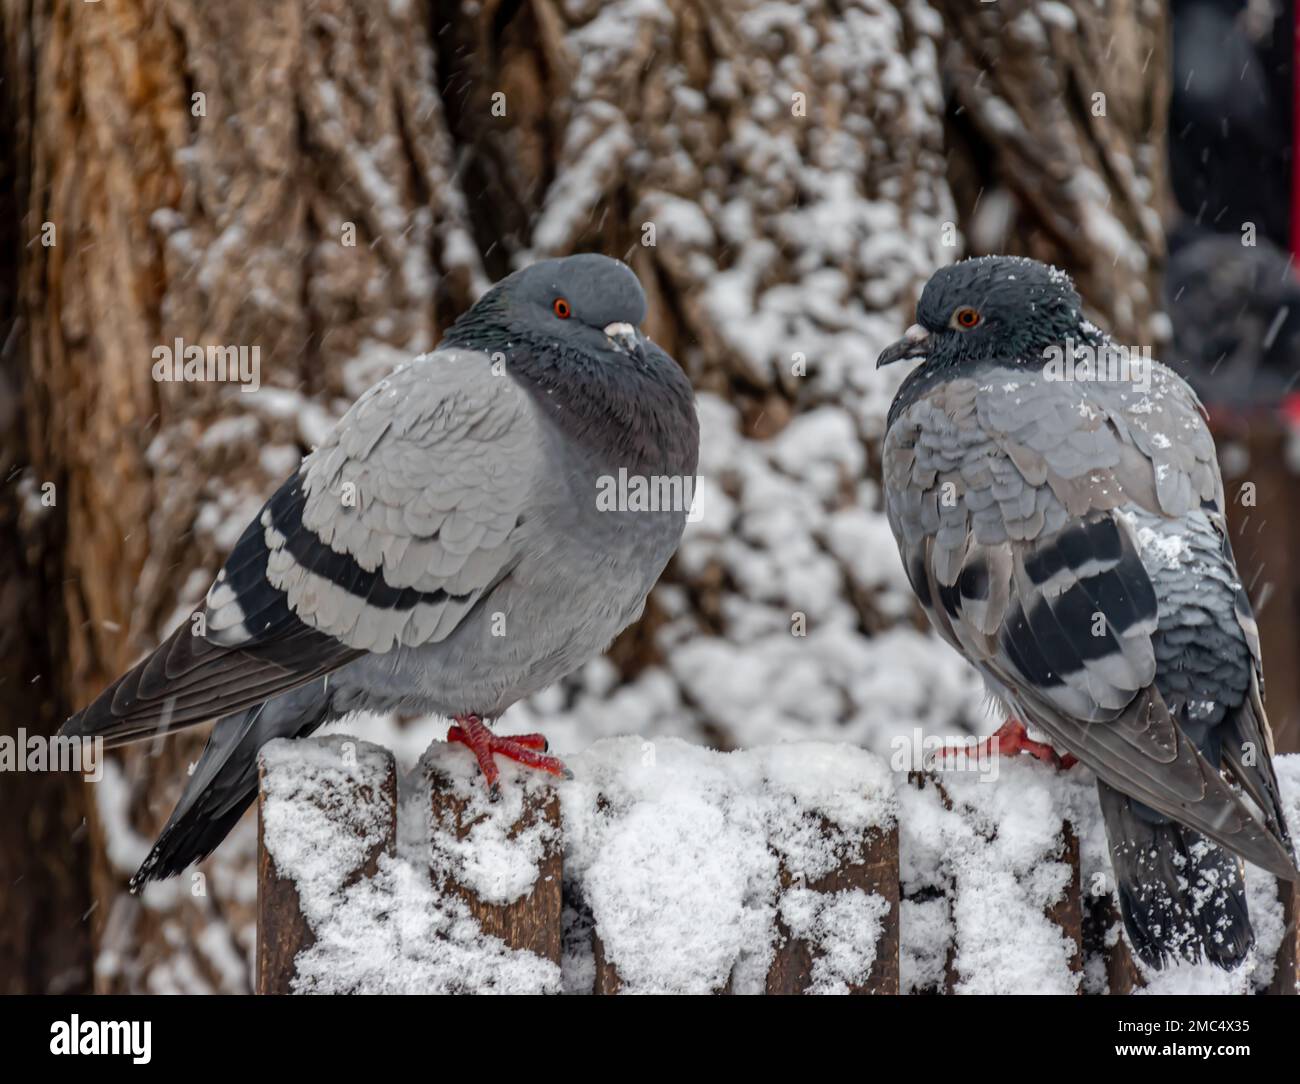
(388, 534)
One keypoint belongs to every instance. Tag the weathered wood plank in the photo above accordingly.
(874, 870)
(607, 980)
(534, 920)
(1067, 912)
(1104, 939)
(1286, 977)
(282, 929)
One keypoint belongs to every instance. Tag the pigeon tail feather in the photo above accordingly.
(224, 781)
(1182, 897)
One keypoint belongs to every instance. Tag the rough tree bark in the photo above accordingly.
(1058, 129)
(773, 172)
(200, 164)
(44, 852)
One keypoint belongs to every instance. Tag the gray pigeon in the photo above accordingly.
(1066, 534)
(1235, 311)
(451, 547)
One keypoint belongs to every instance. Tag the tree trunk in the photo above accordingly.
(204, 168)
(774, 173)
(45, 933)
(1058, 126)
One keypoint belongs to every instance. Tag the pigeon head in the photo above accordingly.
(567, 331)
(586, 304)
(1004, 308)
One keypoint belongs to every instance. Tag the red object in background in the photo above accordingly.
(1233, 422)
(1290, 409)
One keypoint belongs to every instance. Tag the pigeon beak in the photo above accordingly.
(624, 337)
(915, 343)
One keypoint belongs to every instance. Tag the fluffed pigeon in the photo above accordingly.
(1229, 127)
(453, 545)
(1235, 311)
(1067, 536)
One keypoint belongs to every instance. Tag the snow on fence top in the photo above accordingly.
(804, 867)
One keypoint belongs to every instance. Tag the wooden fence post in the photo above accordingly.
(1066, 914)
(1122, 974)
(533, 921)
(1286, 976)
(874, 869)
(607, 980)
(282, 929)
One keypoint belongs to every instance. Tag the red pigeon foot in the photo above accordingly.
(527, 749)
(1012, 739)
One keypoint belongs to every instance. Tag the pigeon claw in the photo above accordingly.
(526, 749)
(1009, 740)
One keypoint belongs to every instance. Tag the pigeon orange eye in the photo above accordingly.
(966, 318)
(561, 308)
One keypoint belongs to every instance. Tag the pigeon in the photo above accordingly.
(1229, 127)
(1235, 311)
(1063, 529)
(456, 543)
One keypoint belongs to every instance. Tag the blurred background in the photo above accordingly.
(334, 181)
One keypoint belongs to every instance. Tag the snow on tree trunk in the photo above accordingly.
(276, 177)
(1059, 140)
(332, 182)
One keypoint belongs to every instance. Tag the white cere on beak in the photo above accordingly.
(622, 335)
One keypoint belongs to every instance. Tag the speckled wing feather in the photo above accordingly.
(1035, 519)
(387, 535)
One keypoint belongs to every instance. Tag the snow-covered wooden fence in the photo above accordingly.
(662, 866)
